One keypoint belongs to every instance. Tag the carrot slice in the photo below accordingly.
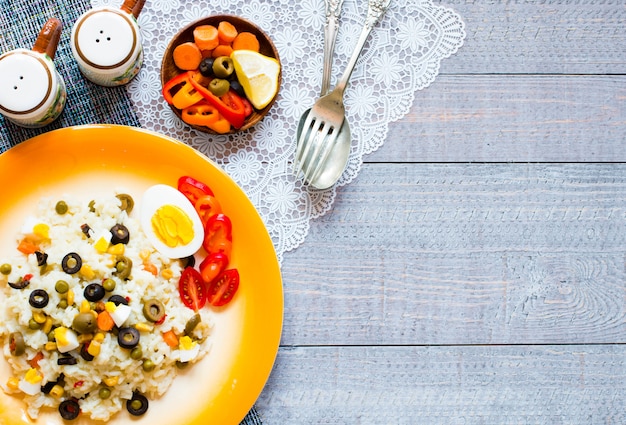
(105, 321)
(187, 56)
(226, 32)
(170, 338)
(246, 41)
(205, 37)
(222, 50)
(26, 246)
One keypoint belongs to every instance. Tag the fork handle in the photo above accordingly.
(375, 11)
(333, 9)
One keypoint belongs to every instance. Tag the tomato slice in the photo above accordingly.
(222, 289)
(192, 290)
(193, 189)
(207, 206)
(218, 234)
(212, 266)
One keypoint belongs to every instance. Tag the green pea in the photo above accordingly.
(61, 207)
(5, 269)
(33, 325)
(136, 404)
(108, 285)
(62, 286)
(51, 336)
(148, 365)
(136, 353)
(62, 304)
(104, 393)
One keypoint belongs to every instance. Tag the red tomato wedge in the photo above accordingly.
(192, 289)
(222, 289)
(218, 235)
(212, 266)
(193, 189)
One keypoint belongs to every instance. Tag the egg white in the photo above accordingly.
(154, 198)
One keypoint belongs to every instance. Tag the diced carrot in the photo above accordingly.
(246, 41)
(187, 56)
(149, 267)
(105, 321)
(222, 50)
(34, 362)
(226, 32)
(205, 37)
(170, 339)
(26, 246)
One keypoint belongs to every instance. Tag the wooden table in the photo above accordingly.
(475, 271)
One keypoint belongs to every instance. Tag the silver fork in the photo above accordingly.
(324, 120)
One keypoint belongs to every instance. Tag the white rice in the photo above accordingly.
(83, 380)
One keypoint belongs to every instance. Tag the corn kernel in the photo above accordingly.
(39, 317)
(111, 381)
(57, 391)
(13, 383)
(109, 306)
(33, 376)
(85, 307)
(47, 326)
(50, 346)
(101, 245)
(94, 348)
(99, 337)
(144, 254)
(87, 272)
(70, 297)
(82, 338)
(167, 273)
(117, 249)
(144, 327)
(42, 230)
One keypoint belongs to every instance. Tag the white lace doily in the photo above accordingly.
(402, 55)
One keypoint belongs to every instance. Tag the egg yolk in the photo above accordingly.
(172, 226)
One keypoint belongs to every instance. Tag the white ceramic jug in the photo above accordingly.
(106, 43)
(32, 92)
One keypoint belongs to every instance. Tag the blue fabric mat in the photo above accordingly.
(87, 103)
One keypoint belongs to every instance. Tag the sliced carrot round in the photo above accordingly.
(187, 56)
(205, 37)
(226, 32)
(246, 41)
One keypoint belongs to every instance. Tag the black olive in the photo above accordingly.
(118, 299)
(119, 234)
(138, 405)
(237, 87)
(188, 261)
(42, 258)
(84, 353)
(67, 361)
(39, 298)
(71, 263)
(21, 283)
(69, 409)
(128, 337)
(206, 67)
(48, 387)
(86, 229)
(94, 292)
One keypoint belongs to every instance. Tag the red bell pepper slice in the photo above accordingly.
(193, 189)
(179, 91)
(230, 106)
(218, 235)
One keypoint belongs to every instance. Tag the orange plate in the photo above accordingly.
(85, 160)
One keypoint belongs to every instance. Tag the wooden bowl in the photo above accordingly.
(266, 47)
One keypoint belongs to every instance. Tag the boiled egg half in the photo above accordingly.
(170, 222)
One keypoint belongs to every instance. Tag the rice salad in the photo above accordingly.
(58, 304)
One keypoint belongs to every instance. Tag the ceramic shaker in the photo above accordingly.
(32, 92)
(106, 43)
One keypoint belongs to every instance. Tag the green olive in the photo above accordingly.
(153, 310)
(5, 269)
(33, 325)
(16, 342)
(108, 285)
(127, 202)
(123, 267)
(223, 67)
(136, 353)
(219, 87)
(192, 323)
(181, 365)
(148, 365)
(85, 323)
(92, 206)
(104, 393)
(62, 286)
(61, 207)
(51, 336)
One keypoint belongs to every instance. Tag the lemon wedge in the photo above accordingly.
(258, 75)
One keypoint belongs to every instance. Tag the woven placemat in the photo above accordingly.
(87, 103)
